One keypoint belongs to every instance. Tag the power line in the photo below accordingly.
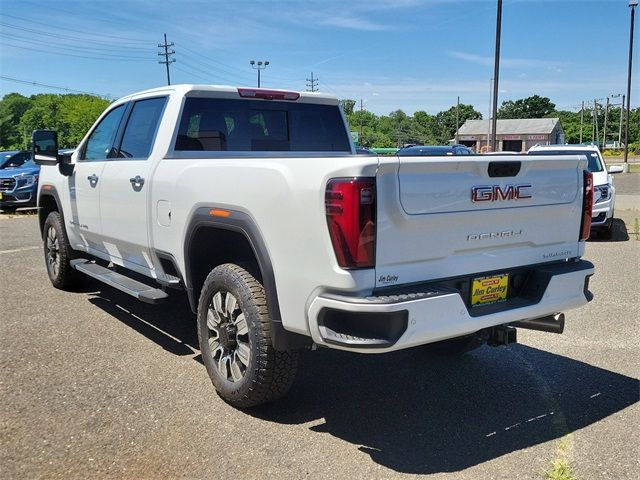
(166, 54)
(54, 87)
(4, 44)
(312, 84)
(91, 34)
(74, 49)
(64, 36)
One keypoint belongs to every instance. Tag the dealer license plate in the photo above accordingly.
(486, 290)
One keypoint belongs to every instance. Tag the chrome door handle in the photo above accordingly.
(137, 181)
(93, 178)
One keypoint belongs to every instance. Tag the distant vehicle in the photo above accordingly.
(500, 153)
(18, 180)
(434, 151)
(604, 190)
(364, 151)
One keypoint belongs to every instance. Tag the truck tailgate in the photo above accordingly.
(442, 217)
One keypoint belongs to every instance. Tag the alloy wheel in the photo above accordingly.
(228, 336)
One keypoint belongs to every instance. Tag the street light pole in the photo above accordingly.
(496, 73)
(633, 4)
(260, 65)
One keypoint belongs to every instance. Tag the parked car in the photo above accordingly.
(18, 180)
(604, 190)
(434, 150)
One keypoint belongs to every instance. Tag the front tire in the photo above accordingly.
(58, 254)
(234, 332)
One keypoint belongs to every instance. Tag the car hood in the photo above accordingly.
(14, 172)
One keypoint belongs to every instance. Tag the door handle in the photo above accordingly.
(137, 181)
(93, 178)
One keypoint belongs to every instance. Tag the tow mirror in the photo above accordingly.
(44, 147)
(616, 169)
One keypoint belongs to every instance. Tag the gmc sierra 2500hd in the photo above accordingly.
(254, 202)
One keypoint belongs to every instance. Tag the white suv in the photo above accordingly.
(605, 191)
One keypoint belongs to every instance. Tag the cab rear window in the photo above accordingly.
(213, 124)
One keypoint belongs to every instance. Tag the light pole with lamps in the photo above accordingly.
(260, 65)
(633, 4)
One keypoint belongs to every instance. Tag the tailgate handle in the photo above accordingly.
(504, 169)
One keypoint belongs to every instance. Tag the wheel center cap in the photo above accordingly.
(228, 336)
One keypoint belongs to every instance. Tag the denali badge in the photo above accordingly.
(484, 236)
(493, 193)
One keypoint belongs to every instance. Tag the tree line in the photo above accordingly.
(398, 128)
(71, 115)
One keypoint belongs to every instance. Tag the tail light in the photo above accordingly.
(268, 94)
(350, 205)
(587, 206)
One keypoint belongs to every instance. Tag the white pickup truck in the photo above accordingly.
(255, 204)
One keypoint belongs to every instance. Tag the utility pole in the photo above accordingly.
(361, 123)
(260, 65)
(312, 84)
(496, 75)
(604, 129)
(633, 4)
(621, 118)
(581, 120)
(166, 54)
(489, 122)
(596, 138)
(457, 118)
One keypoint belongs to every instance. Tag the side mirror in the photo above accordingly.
(44, 147)
(616, 169)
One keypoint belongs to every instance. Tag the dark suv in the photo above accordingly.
(434, 150)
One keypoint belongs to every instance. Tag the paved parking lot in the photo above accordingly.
(95, 384)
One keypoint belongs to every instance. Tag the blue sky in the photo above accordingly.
(408, 54)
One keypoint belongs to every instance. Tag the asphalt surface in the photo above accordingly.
(96, 385)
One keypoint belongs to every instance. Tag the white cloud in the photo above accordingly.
(508, 62)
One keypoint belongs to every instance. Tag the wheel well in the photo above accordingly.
(211, 247)
(46, 204)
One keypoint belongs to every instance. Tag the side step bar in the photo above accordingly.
(136, 289)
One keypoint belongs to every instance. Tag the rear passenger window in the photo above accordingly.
(141, 128)
(212, 124)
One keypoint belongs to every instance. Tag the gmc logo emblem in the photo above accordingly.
(495, 193)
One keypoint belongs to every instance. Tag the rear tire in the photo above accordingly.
(456, 346)
(58, 254)
(234, 332)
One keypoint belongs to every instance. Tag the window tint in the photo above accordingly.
(100, 143)
(256, 125)
(595, 165)
(141, 128)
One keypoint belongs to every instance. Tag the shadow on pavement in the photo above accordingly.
(619, 233)
(413, 412)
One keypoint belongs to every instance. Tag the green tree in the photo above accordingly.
(445, 121)
(12, 108)
(530, 107)
(70, 115)
(347, 106)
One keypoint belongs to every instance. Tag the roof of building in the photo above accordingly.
(540, 126)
